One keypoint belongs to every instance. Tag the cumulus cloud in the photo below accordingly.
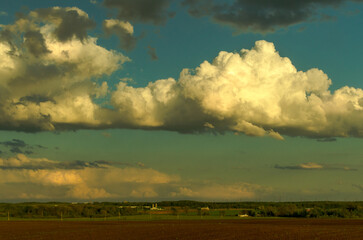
(256, 92)
(143, 11)
(262, 16)
(124, 30)
(46, 75)
(316, 166)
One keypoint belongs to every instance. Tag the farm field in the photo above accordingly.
(185, 229)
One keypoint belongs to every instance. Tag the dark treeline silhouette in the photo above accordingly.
(114, 209)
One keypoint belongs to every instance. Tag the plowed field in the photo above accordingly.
(332, 229)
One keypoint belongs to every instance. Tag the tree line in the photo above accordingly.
(114, 209)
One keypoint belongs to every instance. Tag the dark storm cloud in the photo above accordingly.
(262, 15)
(72, 23)
(144, 11)
(315, 166)
(35, 43)
(152, 52)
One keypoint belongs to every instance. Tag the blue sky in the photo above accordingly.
(88, 114)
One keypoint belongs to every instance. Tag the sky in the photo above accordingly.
(138, 100)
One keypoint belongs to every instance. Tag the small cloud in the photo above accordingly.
(315, 166)
(2, 13)
(261, 16)
(152, 52)
(93, 1)
(123, 29)
(142, 11)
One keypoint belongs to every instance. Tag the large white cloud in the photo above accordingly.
(256, 92)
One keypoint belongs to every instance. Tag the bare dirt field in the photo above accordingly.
(186, 229)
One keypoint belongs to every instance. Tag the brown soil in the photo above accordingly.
(332, 229)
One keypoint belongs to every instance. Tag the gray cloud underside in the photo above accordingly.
(262, 16)
(143, 11)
